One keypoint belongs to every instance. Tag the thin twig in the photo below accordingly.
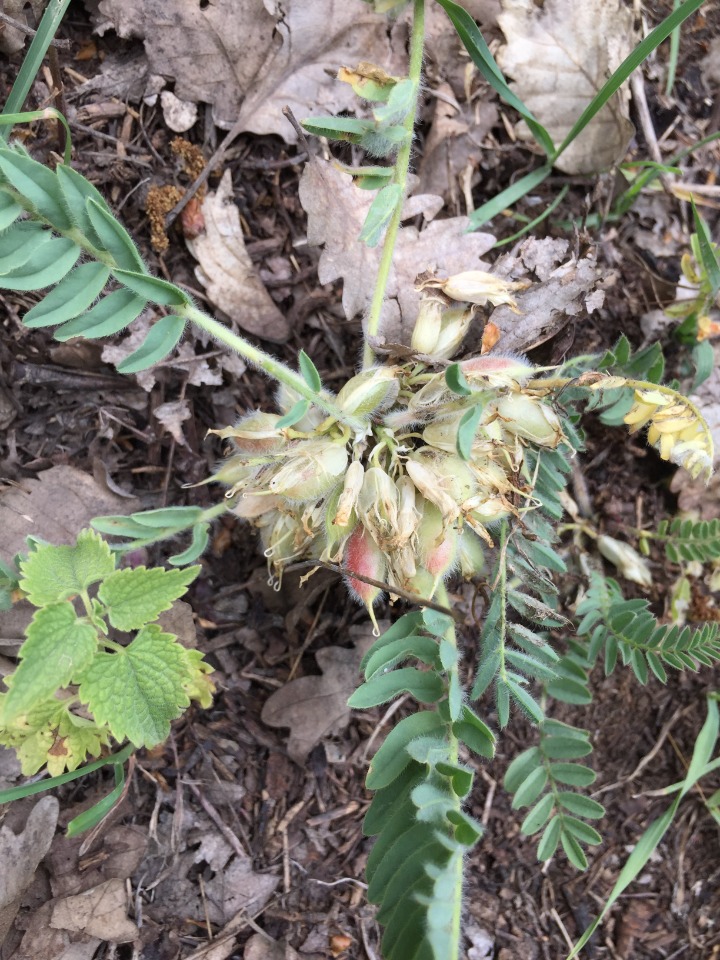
(24, 28)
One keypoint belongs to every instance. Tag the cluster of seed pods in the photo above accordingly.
(395, 503)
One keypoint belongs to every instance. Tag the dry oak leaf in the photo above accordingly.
(226, 271)
(11, 39)
(336, 211)
(20, 855)
(561, 288)
(559, 55)
(55, 506)
(315, 707)
(99, 912)
(249, 59)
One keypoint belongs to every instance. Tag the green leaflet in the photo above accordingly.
(152, 289)
(391, 654)
(113, 237)
(76, 191)
(309, 372)
(70, 297)
(135, 597)
(45, 267)
(57, 649)
(391, 759)
(162, 338)
(19, 243)
(380, 213)
(138, 690)
(114, 312)
(198, 545)
(424, 686)
(52, 573)
(9, 210)
(37, 184)
(294, 414)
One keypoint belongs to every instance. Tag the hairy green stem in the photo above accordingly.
(269, 365)
(441, 596)
(402, 166)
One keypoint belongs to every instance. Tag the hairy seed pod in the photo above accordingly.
(362, 555)
(530, 419)
(369, 391)
(377, 506)
(427, 326)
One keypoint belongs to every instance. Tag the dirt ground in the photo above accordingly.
(221, 839)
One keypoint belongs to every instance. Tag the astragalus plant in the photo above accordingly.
(425, 466)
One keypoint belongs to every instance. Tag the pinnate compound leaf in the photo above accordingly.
(53, 573)
(70, 297)
(135, 597)
(136, 692)
(161, 340)
(58, 647)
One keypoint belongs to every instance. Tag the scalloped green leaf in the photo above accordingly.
(37, 184)
(112, 314)
(161, 340)
(70, 297)
(46, 266)
(152, 289)
(20, 243)
(134, 597)
(50, 573)
(139, 690)
(58, 647)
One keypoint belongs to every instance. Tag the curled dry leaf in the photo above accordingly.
(100, 912)
(561, 288)
(316, 706)
(336, 211)
(179, 114)
(226, 271)
(559, 54)
(249, 59)
(172, 415)
(20, 855)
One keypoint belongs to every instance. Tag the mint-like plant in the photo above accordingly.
(77, 685)
(422, 465)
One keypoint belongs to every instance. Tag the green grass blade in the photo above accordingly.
(480, 55)
(507, 197)
(707, 253)
(534, 223)
(30, 789)
(54, 12)
(629, 64)
(674, 52)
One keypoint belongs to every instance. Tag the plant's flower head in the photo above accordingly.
(476, 286)
(369, 391)
(675, 428)
(377, 507)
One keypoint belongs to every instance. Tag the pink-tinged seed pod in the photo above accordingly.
(497, 371)
(362, 555)
(437, 543)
